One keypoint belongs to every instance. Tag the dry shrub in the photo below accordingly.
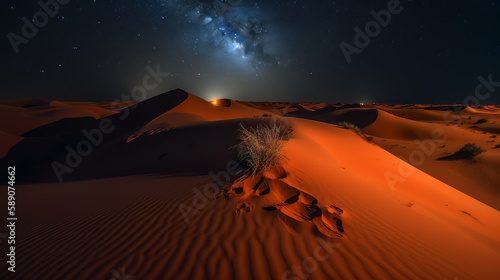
(261, 146)
(468, 151)
(351, 126)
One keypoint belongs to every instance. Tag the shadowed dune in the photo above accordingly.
(195, 147)
(46, 144)
(358, 116)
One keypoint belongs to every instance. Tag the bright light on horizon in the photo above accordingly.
(213, 95)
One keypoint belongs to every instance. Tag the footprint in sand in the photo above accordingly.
(238, 190)
(292, 199)
(340, 227)
(263, 189)
(270, 208)
(243, 208)
(333, 223)
(307, 198)
(295, 207)
(334, 209)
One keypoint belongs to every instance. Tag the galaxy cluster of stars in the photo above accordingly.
(276, 50)
(237, 30)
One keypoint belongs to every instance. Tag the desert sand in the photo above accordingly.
(148, 199)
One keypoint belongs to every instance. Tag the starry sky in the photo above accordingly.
(273, 50)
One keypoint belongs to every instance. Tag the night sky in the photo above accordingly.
(96, 50)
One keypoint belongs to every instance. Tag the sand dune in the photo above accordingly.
(59, 141)
(414, 114)
(359, 116)
(389, 126)
(402, 137)
(195, 110)
(7, 141)
(339, 207)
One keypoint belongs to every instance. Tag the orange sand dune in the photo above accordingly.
(414, 114)
(483, 110)
(398, 127)
(402, 137)
(359, 116)
(21, 116)
(392, 127)
(195, 110)
(339, 207)
(443, 234)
